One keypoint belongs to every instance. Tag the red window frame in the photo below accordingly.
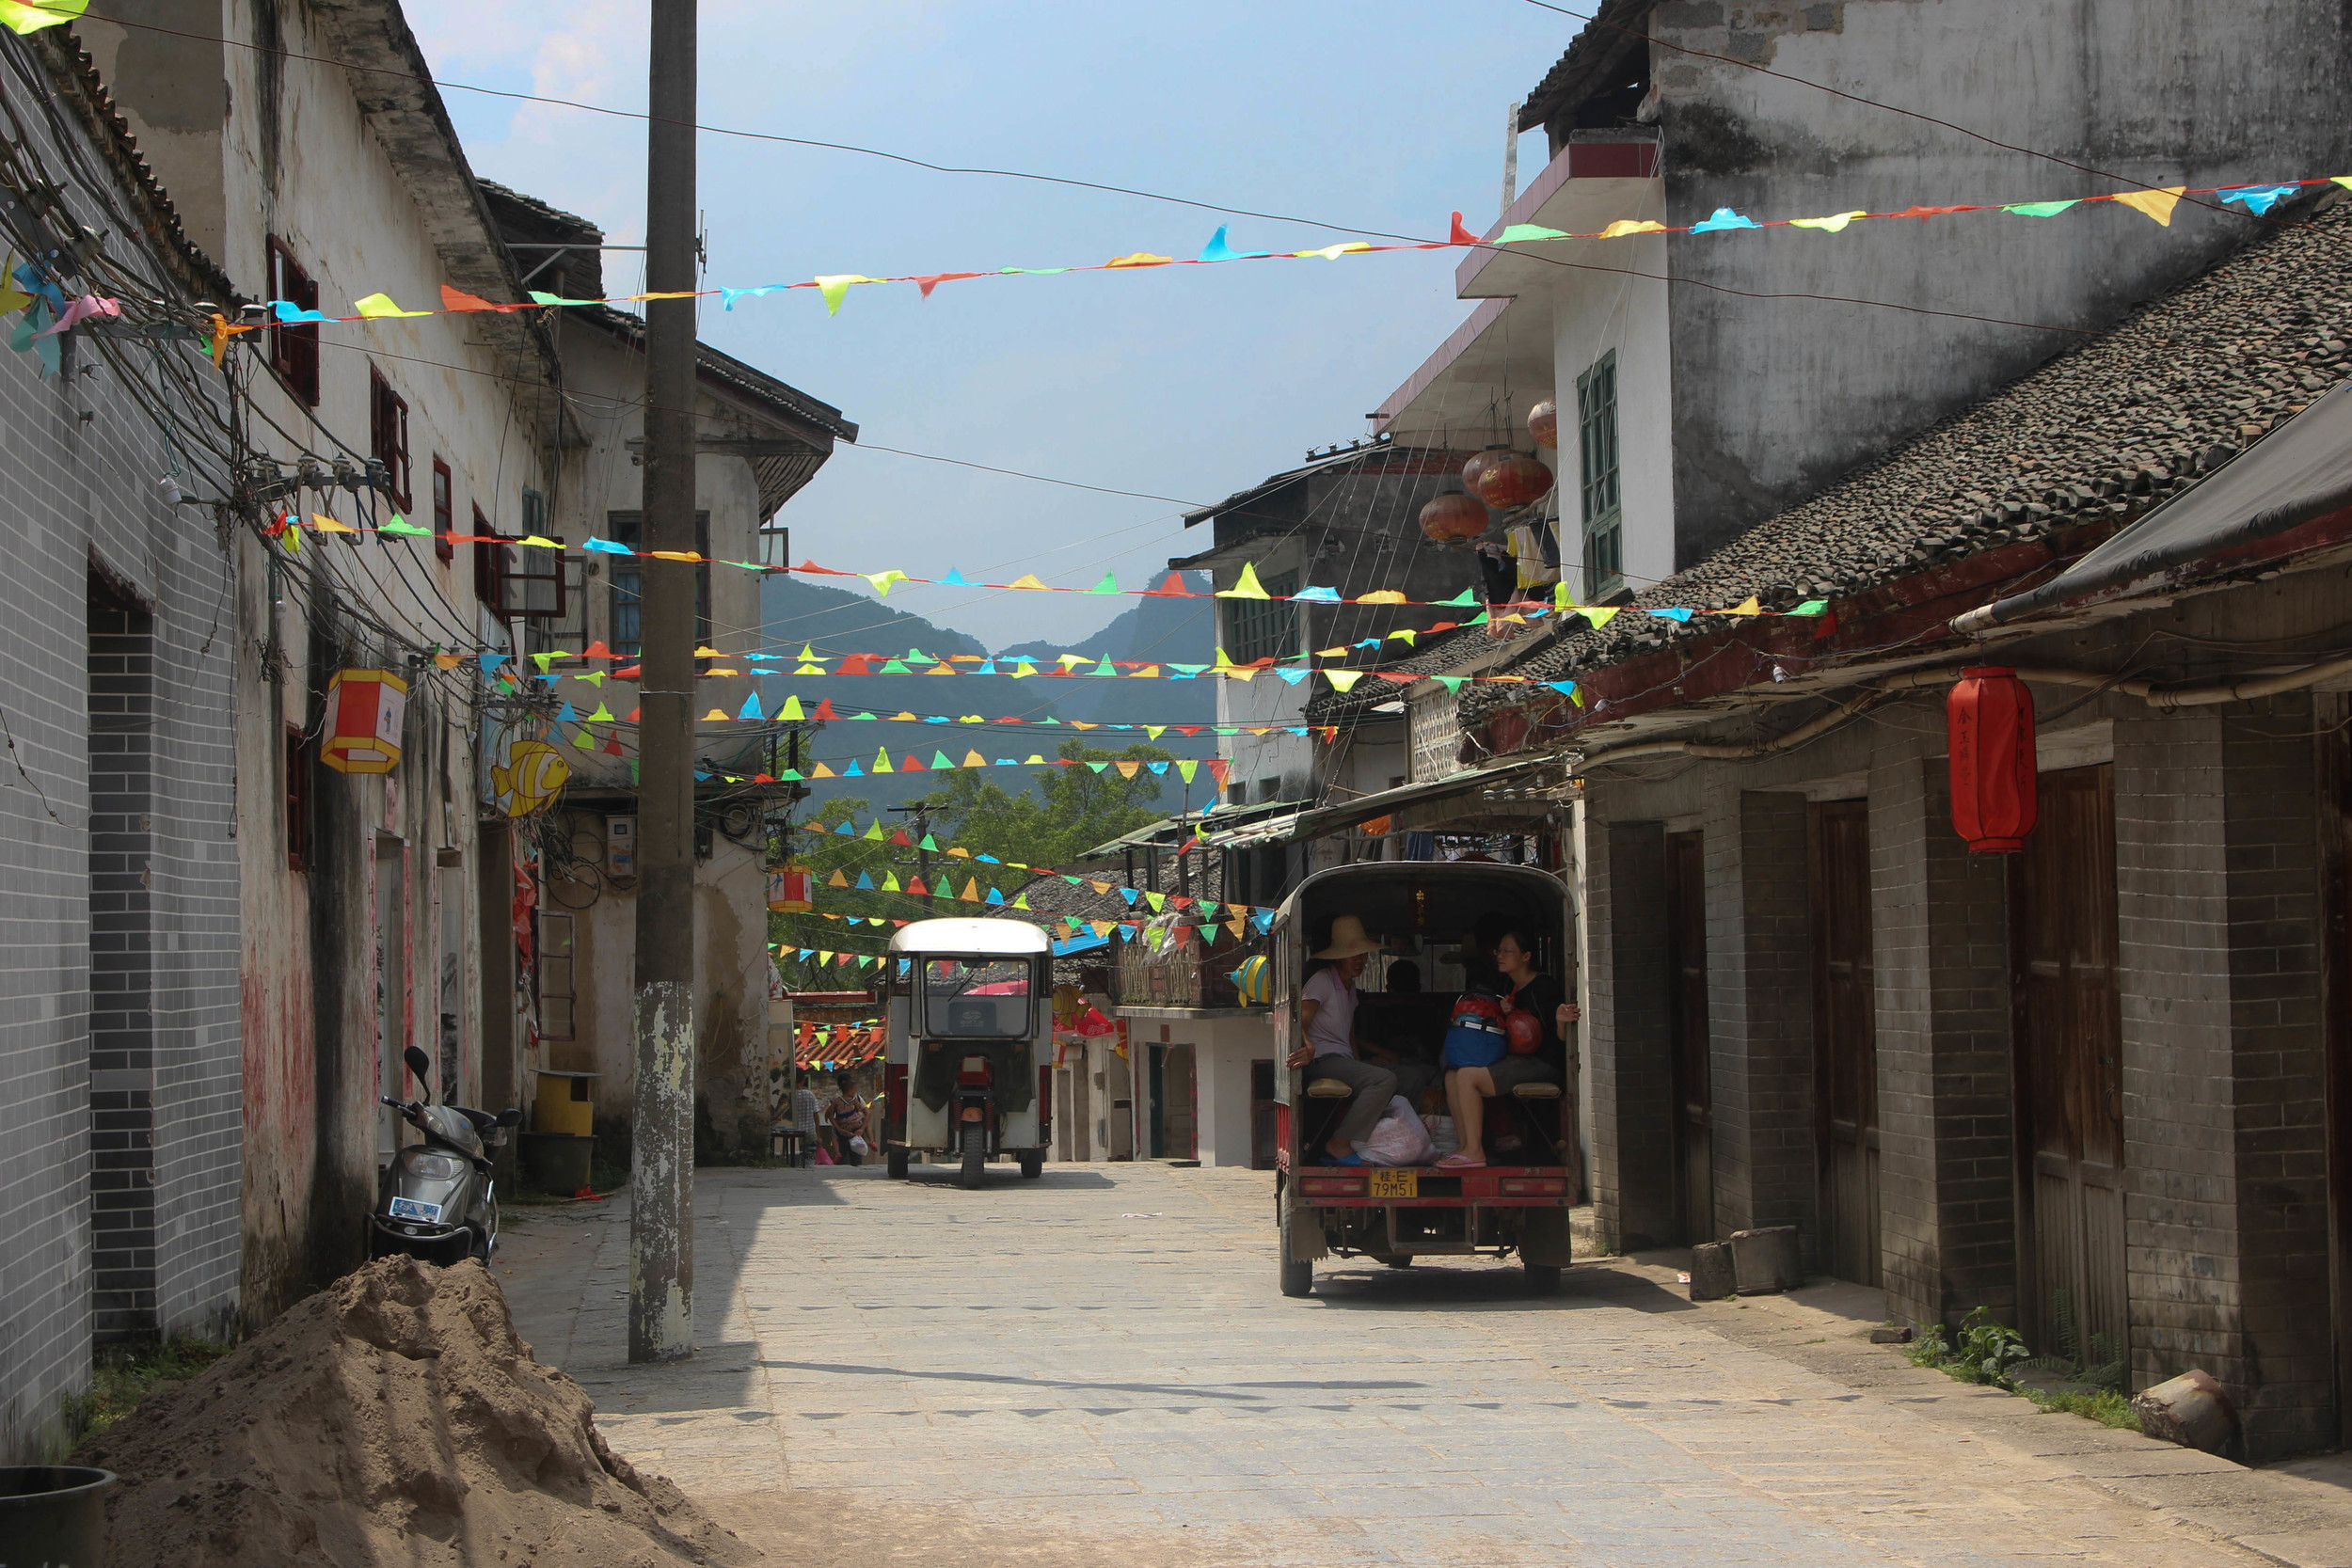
(387, 436)
(444, 512)
(293, 347)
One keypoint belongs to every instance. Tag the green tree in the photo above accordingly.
(1082, 806)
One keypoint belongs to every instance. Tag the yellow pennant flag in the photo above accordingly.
(1830, 224)
(1127, 770)
(1248, 588)
(1623, 226)
(2157, 204)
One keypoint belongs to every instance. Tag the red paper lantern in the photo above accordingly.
(1505, 479)
(364, 711)
(1453, 517)
(1543, 423)
(1990, 715)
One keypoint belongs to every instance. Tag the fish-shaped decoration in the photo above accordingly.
(532, 776)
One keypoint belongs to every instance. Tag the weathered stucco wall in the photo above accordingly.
(1772, 398)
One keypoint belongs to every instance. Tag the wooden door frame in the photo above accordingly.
(1867, 1135)
(1684, 925)
(2330, 711)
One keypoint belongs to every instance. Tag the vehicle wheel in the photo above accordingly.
(1299, 1278)
(1033, 1164)
(1399, 1261)
(975, 1174)
(897, 1161)
(1543, 1279)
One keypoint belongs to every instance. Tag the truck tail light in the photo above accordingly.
(1534, 1186)
(1332, 1186)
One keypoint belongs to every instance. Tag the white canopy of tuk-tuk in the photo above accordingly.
(1008, 939)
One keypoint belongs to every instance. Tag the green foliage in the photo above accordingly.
(2095, 1361)
(1075, 808)
(126, 1374)
(2104, 1405)
(1987, 1352)
(1080, 808)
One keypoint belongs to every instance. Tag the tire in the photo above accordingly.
(1032, 1165)
(1543, 1279)
(1399, 1261)
(975, 1173)
(895, 1162)
(1297, 1274)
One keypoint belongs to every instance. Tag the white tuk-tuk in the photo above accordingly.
(969, 1072)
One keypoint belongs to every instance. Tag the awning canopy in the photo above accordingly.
(1404, 805)
(2300, 471)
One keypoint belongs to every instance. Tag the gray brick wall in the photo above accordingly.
(1947, 1150)
(1759, 1011)
(86, 883)
(2219, 902)
(1624, 1028)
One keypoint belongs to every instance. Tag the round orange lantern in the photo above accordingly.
(1543, 423)
(364, 712)
(1990, 717)
(1453, 518)
(1505, 479)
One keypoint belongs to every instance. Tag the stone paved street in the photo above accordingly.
(1097, 1367)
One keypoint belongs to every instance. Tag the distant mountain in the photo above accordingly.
(833, 623)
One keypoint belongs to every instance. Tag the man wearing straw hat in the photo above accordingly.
(1329, 1047)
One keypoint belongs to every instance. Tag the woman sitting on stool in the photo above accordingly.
(1330, 1047)
(1467, 1087)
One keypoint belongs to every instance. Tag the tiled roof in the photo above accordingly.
(1614, 32)
(2094, 436)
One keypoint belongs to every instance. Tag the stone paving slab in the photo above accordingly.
(1097, 1367)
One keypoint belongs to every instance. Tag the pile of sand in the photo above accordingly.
(394, 1418)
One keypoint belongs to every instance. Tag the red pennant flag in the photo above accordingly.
(914, 885)
(815, 570)
(935, 279)
(856, 664)
(1459, 234)
(597, 650)
(824, 710)
(1171, 587)
(901, 839)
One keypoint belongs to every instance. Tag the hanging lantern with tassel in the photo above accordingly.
(1990, 716)
(1543, 423)
(1453, 518)
(1505, 479)
(364, 712)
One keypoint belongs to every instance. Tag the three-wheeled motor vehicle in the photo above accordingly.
(969, 1070)
(1442, 916)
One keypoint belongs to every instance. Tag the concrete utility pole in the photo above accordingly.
(1511, 157)
(661, 1178)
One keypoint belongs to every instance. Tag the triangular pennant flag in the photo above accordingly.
(1247, 587)
(2157, 204)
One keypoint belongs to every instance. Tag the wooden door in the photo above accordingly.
(1845, 1040)
(1694, 1105)
(2067, 1034)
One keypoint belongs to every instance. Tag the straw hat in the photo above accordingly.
(1348, 940)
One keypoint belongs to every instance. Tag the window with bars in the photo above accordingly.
(1597, 450)
(294, 346)
(388, 437)
(628, 639)
(1263, 628)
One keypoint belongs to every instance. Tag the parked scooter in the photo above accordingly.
(437, 1201)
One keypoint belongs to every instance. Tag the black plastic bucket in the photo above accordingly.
(53, 1514)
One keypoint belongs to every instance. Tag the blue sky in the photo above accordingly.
(1183, 382)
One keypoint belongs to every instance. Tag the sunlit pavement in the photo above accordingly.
(1097, 1367)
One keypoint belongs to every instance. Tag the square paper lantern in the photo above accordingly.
(364, 709)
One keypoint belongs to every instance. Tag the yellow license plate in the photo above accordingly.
(1395, 1183)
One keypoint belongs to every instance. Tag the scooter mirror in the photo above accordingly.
(510, 1117)
(421, 1066)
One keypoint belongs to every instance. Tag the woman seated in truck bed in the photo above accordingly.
(1332, 1047)
(1467, 1089)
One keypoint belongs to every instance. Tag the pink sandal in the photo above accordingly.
(1459, 1162)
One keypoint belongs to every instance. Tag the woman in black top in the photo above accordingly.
(1467, 1089)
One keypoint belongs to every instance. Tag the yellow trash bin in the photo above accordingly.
(567, 1103)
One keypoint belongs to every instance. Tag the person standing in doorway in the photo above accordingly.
(807, 1113)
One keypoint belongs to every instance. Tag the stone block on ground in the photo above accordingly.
(1711, 1275)
(1766, 1259)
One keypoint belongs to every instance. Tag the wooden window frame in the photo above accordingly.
(293, 347)
(1598, 478)
(626, 580)
(388, 437)
(444, 511)
(298, 806)
(1263, 628)
(489, 564)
